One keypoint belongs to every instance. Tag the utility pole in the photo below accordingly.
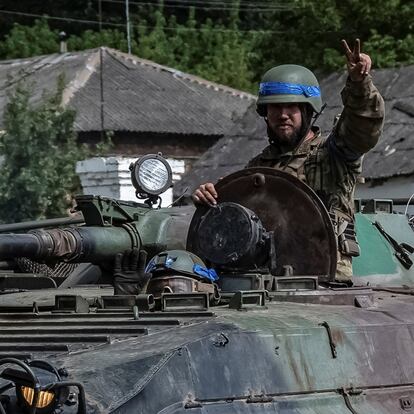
(127, 24)
(100, 14)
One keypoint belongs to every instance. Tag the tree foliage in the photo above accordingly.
(310, 33)
(90, 39)
(234, 45)
(209, 50)
(39, 151)
(27, 41)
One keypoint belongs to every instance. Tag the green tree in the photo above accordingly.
(39, 151)
(310, 32)
(90, 39)
(154, 43)
(216, 52)
(27, 41)
(227, 60)
(234, 45)
(40, 39)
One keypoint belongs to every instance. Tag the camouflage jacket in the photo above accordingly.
(331, 165)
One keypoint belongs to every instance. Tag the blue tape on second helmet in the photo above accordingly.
(282, 88)
(206, 273)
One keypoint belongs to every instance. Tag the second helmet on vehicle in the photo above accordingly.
(179, 262)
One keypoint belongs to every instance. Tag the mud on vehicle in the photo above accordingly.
(240, 312)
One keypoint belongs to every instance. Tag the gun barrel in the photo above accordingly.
(19, 245)
(153, 230)
(96, 244)
(77, 244)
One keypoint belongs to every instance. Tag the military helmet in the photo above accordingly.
(179, 262)
(180, 271)
(289, 84)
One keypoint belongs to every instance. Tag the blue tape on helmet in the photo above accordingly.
(282, 88)
(206, 273)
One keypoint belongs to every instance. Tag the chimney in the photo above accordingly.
(63, 45)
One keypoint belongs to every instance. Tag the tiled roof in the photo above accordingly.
(393, 156)
(229, 154)
(137, 94)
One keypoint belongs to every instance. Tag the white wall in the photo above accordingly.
(110, 177)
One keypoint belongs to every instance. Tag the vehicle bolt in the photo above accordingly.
(72, 400)
(63, 372)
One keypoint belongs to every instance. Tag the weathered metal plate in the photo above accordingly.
(378, 264)
(303, 231)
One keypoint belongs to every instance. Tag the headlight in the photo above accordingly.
(44, 400)
(39, 386)
(151, 175)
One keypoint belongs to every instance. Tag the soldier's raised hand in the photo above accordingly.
(205, 194)
(359, 64)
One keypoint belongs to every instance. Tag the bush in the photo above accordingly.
(39, 151)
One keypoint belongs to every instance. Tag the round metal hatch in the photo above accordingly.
(231, 235)
(303, 232)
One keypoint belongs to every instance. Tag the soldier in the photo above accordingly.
(289, 101)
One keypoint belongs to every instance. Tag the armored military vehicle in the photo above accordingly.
(242, 313)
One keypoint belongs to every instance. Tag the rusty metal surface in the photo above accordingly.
(290, 209)
(282, 358)
(302, 349)
(357, 296)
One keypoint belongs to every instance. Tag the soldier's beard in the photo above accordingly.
(289, 139)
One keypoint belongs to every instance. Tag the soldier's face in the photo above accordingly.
(285, 121)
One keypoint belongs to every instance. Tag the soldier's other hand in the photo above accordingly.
(205, 194)
(129, 272)
(359, 64)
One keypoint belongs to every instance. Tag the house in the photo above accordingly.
(388, 169)
(148, 107)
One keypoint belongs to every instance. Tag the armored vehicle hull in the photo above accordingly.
(276, 334)
(347, 350)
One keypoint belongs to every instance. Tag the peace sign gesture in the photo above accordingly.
(359, 64)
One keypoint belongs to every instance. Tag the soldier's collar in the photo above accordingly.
(310, 142)
(275, 151)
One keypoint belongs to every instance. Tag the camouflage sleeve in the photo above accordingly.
(254, 162)
(265, 159)
(361, 121)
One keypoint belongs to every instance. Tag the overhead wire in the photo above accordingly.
(218, 2)
(189, 3)
(252, 8)
(96, 22)
(252, 4)
(67, 19)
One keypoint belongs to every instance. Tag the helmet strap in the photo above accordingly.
(307, 125)
(318, 114)
(307, 122)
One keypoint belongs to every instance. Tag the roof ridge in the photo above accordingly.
(179, 74)
(82, 76)
(49, 55)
